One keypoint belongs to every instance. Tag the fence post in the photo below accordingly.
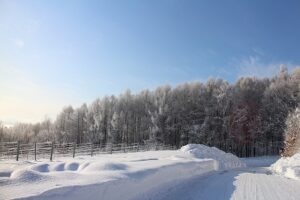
(18, 150)
(74, 148)
(35, 151)
(51, 153)
(92, 149)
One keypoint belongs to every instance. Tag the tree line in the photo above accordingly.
(215, 113)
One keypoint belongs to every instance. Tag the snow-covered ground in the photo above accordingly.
(116, 176)
(288, 167)
(193, 172)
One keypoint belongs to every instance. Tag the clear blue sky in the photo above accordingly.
(55, 53)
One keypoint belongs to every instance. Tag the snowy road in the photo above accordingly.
(243, 184)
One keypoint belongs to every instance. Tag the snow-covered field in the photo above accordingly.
(288, 167)
(193, 172)
(117, 176)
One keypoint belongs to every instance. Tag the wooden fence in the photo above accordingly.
(49, 150)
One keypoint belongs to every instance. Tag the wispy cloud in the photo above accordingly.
(254, 66)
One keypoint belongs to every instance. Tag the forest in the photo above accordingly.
(216, 113)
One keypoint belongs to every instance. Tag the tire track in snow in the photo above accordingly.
(246, 184)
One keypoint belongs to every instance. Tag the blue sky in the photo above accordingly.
(55, 53)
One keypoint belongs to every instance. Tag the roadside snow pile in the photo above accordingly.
(288, 167)
(225, 160)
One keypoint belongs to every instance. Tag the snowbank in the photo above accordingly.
(225, 160)
(99, 177)
(288, 166)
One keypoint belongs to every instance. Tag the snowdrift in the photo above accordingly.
(130, 174)
(288, 166)
(224, 160)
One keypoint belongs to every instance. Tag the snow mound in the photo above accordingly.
(25, 175)
(109, 166)
(225, 160)
(58, 167)
(90, 167)
(288, 167)
(44, 167)
(73, 166)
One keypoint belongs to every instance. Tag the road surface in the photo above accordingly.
(255, 182)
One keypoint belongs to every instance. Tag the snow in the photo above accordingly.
(252, 182)
(288, 166)
(261, 161)
(116, 176)
(193, 172)
(225, 160)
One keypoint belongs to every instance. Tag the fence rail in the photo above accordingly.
(50, 150)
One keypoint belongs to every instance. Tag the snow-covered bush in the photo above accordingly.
(292, 134)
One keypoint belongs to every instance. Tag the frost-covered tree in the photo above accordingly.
(65, 125)
(235, 117)
(79, 123)
(279, 99)
(157, 111)
(2, 133)
(292, 133)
